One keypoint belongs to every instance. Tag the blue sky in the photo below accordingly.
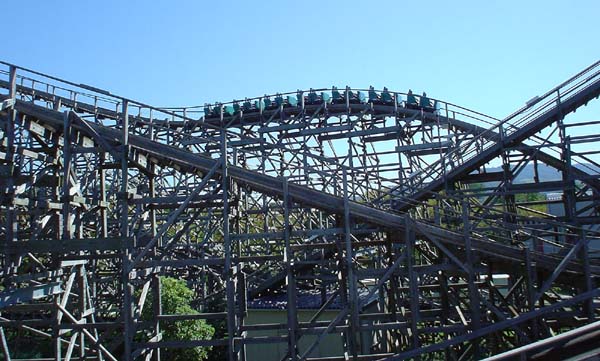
(490, 56)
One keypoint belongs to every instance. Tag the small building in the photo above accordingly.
(272, 309)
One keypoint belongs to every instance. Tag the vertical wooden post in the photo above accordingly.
(11, 221)
(229, 285)
(292, 317)
(473, 292)
(82, 307)
(126, 258)
(352, 290)
(413, 286)
(531, 289)
(157, 311)
(65, 199)
(589, 282)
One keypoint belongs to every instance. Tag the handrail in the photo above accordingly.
(553, 90)
(92, 92)
(85, 94)
(102, 94)
(529, 113)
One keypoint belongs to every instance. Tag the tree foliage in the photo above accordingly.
(176, 298)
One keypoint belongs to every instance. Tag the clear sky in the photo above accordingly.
(490, 56)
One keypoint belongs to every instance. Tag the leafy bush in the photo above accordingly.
(176, 299)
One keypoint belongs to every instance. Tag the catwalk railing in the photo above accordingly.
(176, 126)
(536, 115)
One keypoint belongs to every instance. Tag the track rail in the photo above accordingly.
(167, 154)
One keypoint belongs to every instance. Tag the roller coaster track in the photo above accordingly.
(237, 160)
(480, 134)
(185, 160)
(483, 137)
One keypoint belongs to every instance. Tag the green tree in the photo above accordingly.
(540, 198)
(176, 298)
